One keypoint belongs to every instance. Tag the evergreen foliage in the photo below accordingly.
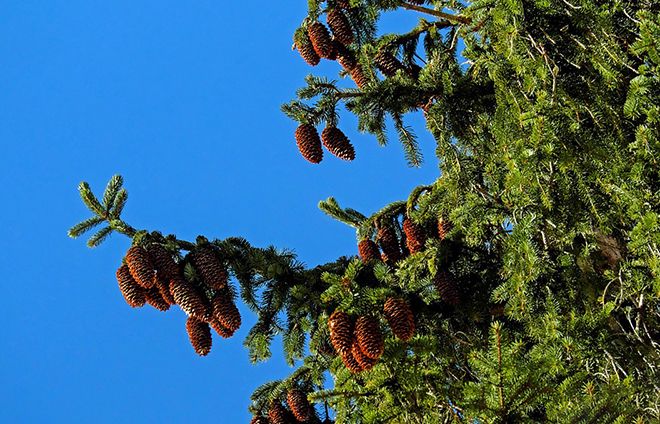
(539, 298)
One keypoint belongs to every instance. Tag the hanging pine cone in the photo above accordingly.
(309, 143)
(222, 331)
(366, 363)
(212, 271)
(305, 48)
(166, 269)
(369, 337)
(389, 244)
(400, 318)
(225, 311)
(132, 292)
(321, 40)
(357, 74)
(345, 57)
(155, 299)
(387, 63)
(189, 299)
(164, 291)
(415, 236)
(299, 404)
(350, 362)
(259, 419)
(200, 335)
(340, 27)
(368, 250)
(447, 288)
(444, 227)
(279, 414)
(140, 266)
(344, 4)
(341, 331)
(337, 143)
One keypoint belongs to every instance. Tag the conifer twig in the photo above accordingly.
(451, 18)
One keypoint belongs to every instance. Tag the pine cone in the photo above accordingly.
(357, 74)
(200, 335)
(132, 292)
(345, 57)
(415, 236)
(400, 318)
(189, 299)
(225, 311)
(140, 266)
(321, 40)
(365, 362)
(341, 331)
(350, 362)
(309, 143)
(299, 404)
(344, 4)
(155, 299)
(222, 331)
(337, 143)
(447, 288)
(306, 49)
(444, 227)
(368, 251)
(389, 244)
(369, 337)
(340, 27)
(387, 63)
(259, 419)
(166, 269)
(279, 414)
(212, 271)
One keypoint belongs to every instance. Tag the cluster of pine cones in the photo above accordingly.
(299, 410)
(415, 238)
(314, 44)
(150, 274)
(359, 342)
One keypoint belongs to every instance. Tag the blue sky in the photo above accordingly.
(182, 99)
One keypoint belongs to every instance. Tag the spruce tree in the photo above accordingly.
(522, 285)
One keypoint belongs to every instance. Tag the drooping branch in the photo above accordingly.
(457, 19)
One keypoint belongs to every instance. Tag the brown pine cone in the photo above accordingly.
(366, 363)
(164, 289)
(299, 404)
(368, 250)
(222, 331)
(447, 288)
(190, 299)
(340, 27)
(337, 143)
(163, 262)
(225, 311)
(212, 271)
(200, 335)
(387, 63)
(389, 244)
(155, 299)
(306, 49)
(357, 74)
(309, 143)
(259, 419)
(279, 414)
(400, 318)
(341, 331)
(344, 4)
(415, 236)
(132, 292)
(321, 40)
(350, 362)
(345, 57)
(444, 227)
(140, 266)
(369, 337)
